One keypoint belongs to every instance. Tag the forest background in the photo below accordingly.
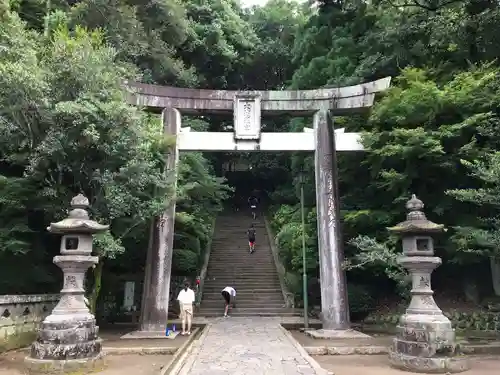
(66, 129)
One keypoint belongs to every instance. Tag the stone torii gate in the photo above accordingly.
(247, 109)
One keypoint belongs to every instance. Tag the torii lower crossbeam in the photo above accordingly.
(224, 141)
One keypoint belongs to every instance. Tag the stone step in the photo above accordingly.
(241, 285)
(243, 306)
(215, 309)
(240, 270)
(243, 276)
(242, 250)
(235, 283)
(251, 282)
(217, 300)
(242, 261)
(246, 297)
(263, 279)
(242, 257)
(236, 242)
(258, 311)
(244, 290)
(239, 235)
(244, 293)
(245, 259)
(222, 240)
(246, 314)
(243, 268)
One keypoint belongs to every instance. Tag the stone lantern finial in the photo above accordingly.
(414, 204)
(78, 220)
(415, 207)
(81, 201)
(416, 221)
(425, 341)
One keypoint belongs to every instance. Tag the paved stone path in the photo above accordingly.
(246, 346)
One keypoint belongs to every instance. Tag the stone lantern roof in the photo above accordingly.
(416, 221)
(78, 220)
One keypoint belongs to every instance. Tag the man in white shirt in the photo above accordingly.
(186, 299)
(229, 295)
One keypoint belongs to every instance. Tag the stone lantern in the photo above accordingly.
(68, 339)
(425, 340)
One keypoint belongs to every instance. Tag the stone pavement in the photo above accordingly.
(248, 346)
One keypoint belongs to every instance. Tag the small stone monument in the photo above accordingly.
(68, 340)
(425, 341)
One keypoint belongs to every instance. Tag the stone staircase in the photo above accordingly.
(254, 276)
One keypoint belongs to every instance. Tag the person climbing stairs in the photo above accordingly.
(252, 275)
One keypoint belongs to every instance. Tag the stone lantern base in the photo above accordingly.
(426, 344)
(69, 366)
(434, 365)
(65, 347)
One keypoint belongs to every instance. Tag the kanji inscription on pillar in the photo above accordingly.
(247, 113)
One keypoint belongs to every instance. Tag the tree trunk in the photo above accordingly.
(97, 286)
(495, 274)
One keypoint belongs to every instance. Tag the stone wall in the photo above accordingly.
(20, 317)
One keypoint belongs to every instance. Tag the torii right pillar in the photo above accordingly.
(334, 302)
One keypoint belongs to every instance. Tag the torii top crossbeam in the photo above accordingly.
(339, 101)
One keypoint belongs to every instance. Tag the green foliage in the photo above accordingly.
(289, 238)
(379, 258)
(361, 301)
(158, 28)
(185, 262)
(484, 239)
(14, 226)
(67, 128)
(434, 133)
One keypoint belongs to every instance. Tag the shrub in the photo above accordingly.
(361, 302)
(184, 262)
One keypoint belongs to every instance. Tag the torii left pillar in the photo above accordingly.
(156, 288)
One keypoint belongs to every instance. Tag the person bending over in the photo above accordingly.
(186, 299)
(229, 295)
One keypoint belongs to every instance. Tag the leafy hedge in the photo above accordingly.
(464, 321)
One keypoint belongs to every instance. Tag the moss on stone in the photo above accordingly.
(17, 340)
